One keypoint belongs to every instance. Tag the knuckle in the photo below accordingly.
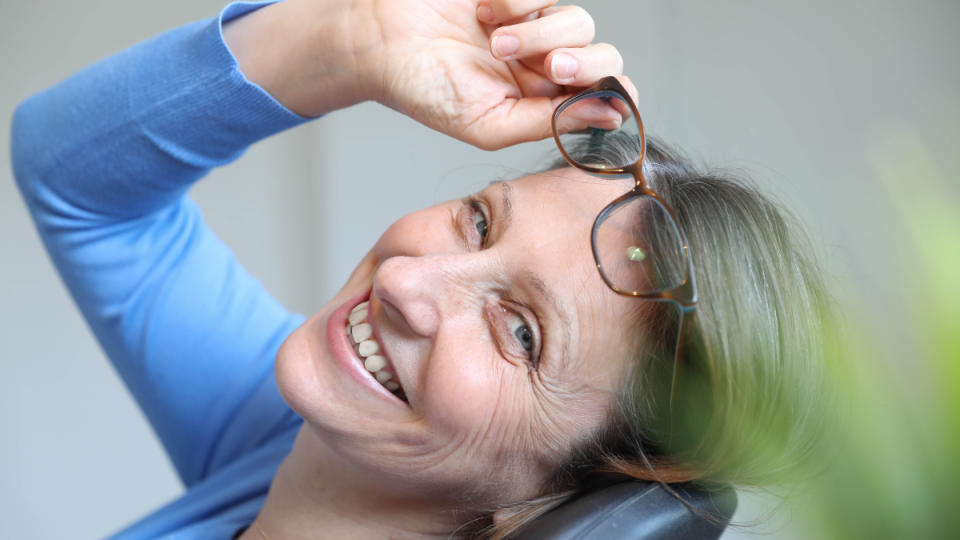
(583, 19)
(611, 52)
(605, 48)
(512, 9)
(502, 9)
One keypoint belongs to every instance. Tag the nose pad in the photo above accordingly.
(409, 289)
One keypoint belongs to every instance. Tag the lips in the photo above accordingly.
(361, 330)
(346, 354)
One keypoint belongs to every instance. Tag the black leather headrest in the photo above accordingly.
(636, 510)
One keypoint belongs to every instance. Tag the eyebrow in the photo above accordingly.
(551, 298)
(506, 219)
(506, 202)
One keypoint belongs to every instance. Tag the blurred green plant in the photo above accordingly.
(890, 466)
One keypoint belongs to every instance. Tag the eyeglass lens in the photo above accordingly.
(639, 248)
(598, 131)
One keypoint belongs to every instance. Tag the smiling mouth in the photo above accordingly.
(369, 350)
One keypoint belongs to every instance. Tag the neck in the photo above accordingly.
(315, 494)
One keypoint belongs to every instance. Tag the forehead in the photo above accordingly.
(552, 215)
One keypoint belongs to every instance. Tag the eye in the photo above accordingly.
(521, 332)
(473, 222)
(525, 337)
(478, 221)
(517, 335)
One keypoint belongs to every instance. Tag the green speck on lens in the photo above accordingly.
(635, 254)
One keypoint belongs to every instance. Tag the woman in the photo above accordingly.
(475, 367)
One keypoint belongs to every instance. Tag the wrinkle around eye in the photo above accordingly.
(455, 225)
(500, 331)
(550, 403)
(560, 318)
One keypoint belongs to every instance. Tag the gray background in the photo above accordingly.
(801, 95)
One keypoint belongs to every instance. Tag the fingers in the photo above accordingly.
(604, 111)
(630, 88)
(532, 82)
(593, 113)
(583, 66)
(528, 119)
(506, 11)
(549, 52)
(513, 122)
(567, 26)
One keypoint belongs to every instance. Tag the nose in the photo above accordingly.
(399, 285)
(416, 291)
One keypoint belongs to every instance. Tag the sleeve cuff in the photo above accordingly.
(236, 10)
(198, 77)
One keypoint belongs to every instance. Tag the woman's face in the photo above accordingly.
(492, 318)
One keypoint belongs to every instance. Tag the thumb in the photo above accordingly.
(513, 121)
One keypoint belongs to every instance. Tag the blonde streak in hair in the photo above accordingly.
(759, 339)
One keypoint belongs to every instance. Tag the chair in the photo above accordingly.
(635, 510)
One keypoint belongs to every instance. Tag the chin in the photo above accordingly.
(295, 369)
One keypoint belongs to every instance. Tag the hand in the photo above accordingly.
(433, 60)
(490, 75)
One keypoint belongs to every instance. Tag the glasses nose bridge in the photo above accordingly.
(639, 179)
(579, 117)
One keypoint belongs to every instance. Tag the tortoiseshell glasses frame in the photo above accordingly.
(682, 294)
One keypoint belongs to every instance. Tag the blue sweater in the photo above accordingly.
(103, 160)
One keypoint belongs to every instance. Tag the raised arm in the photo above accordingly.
(103, 160)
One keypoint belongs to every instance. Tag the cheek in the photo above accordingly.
(462, 388)
(478, 400)
(295, 376)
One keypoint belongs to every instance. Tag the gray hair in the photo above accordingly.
(748, 405)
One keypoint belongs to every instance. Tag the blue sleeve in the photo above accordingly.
(103, 161)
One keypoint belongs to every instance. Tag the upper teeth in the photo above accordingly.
(362, 335)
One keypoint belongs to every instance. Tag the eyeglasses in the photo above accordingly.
(639, 249)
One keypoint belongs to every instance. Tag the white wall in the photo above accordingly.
(797, 93)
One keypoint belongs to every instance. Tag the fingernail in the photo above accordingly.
(563, 68)
(485, 13)
(505, 46)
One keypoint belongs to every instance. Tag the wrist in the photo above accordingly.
(310, 55)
